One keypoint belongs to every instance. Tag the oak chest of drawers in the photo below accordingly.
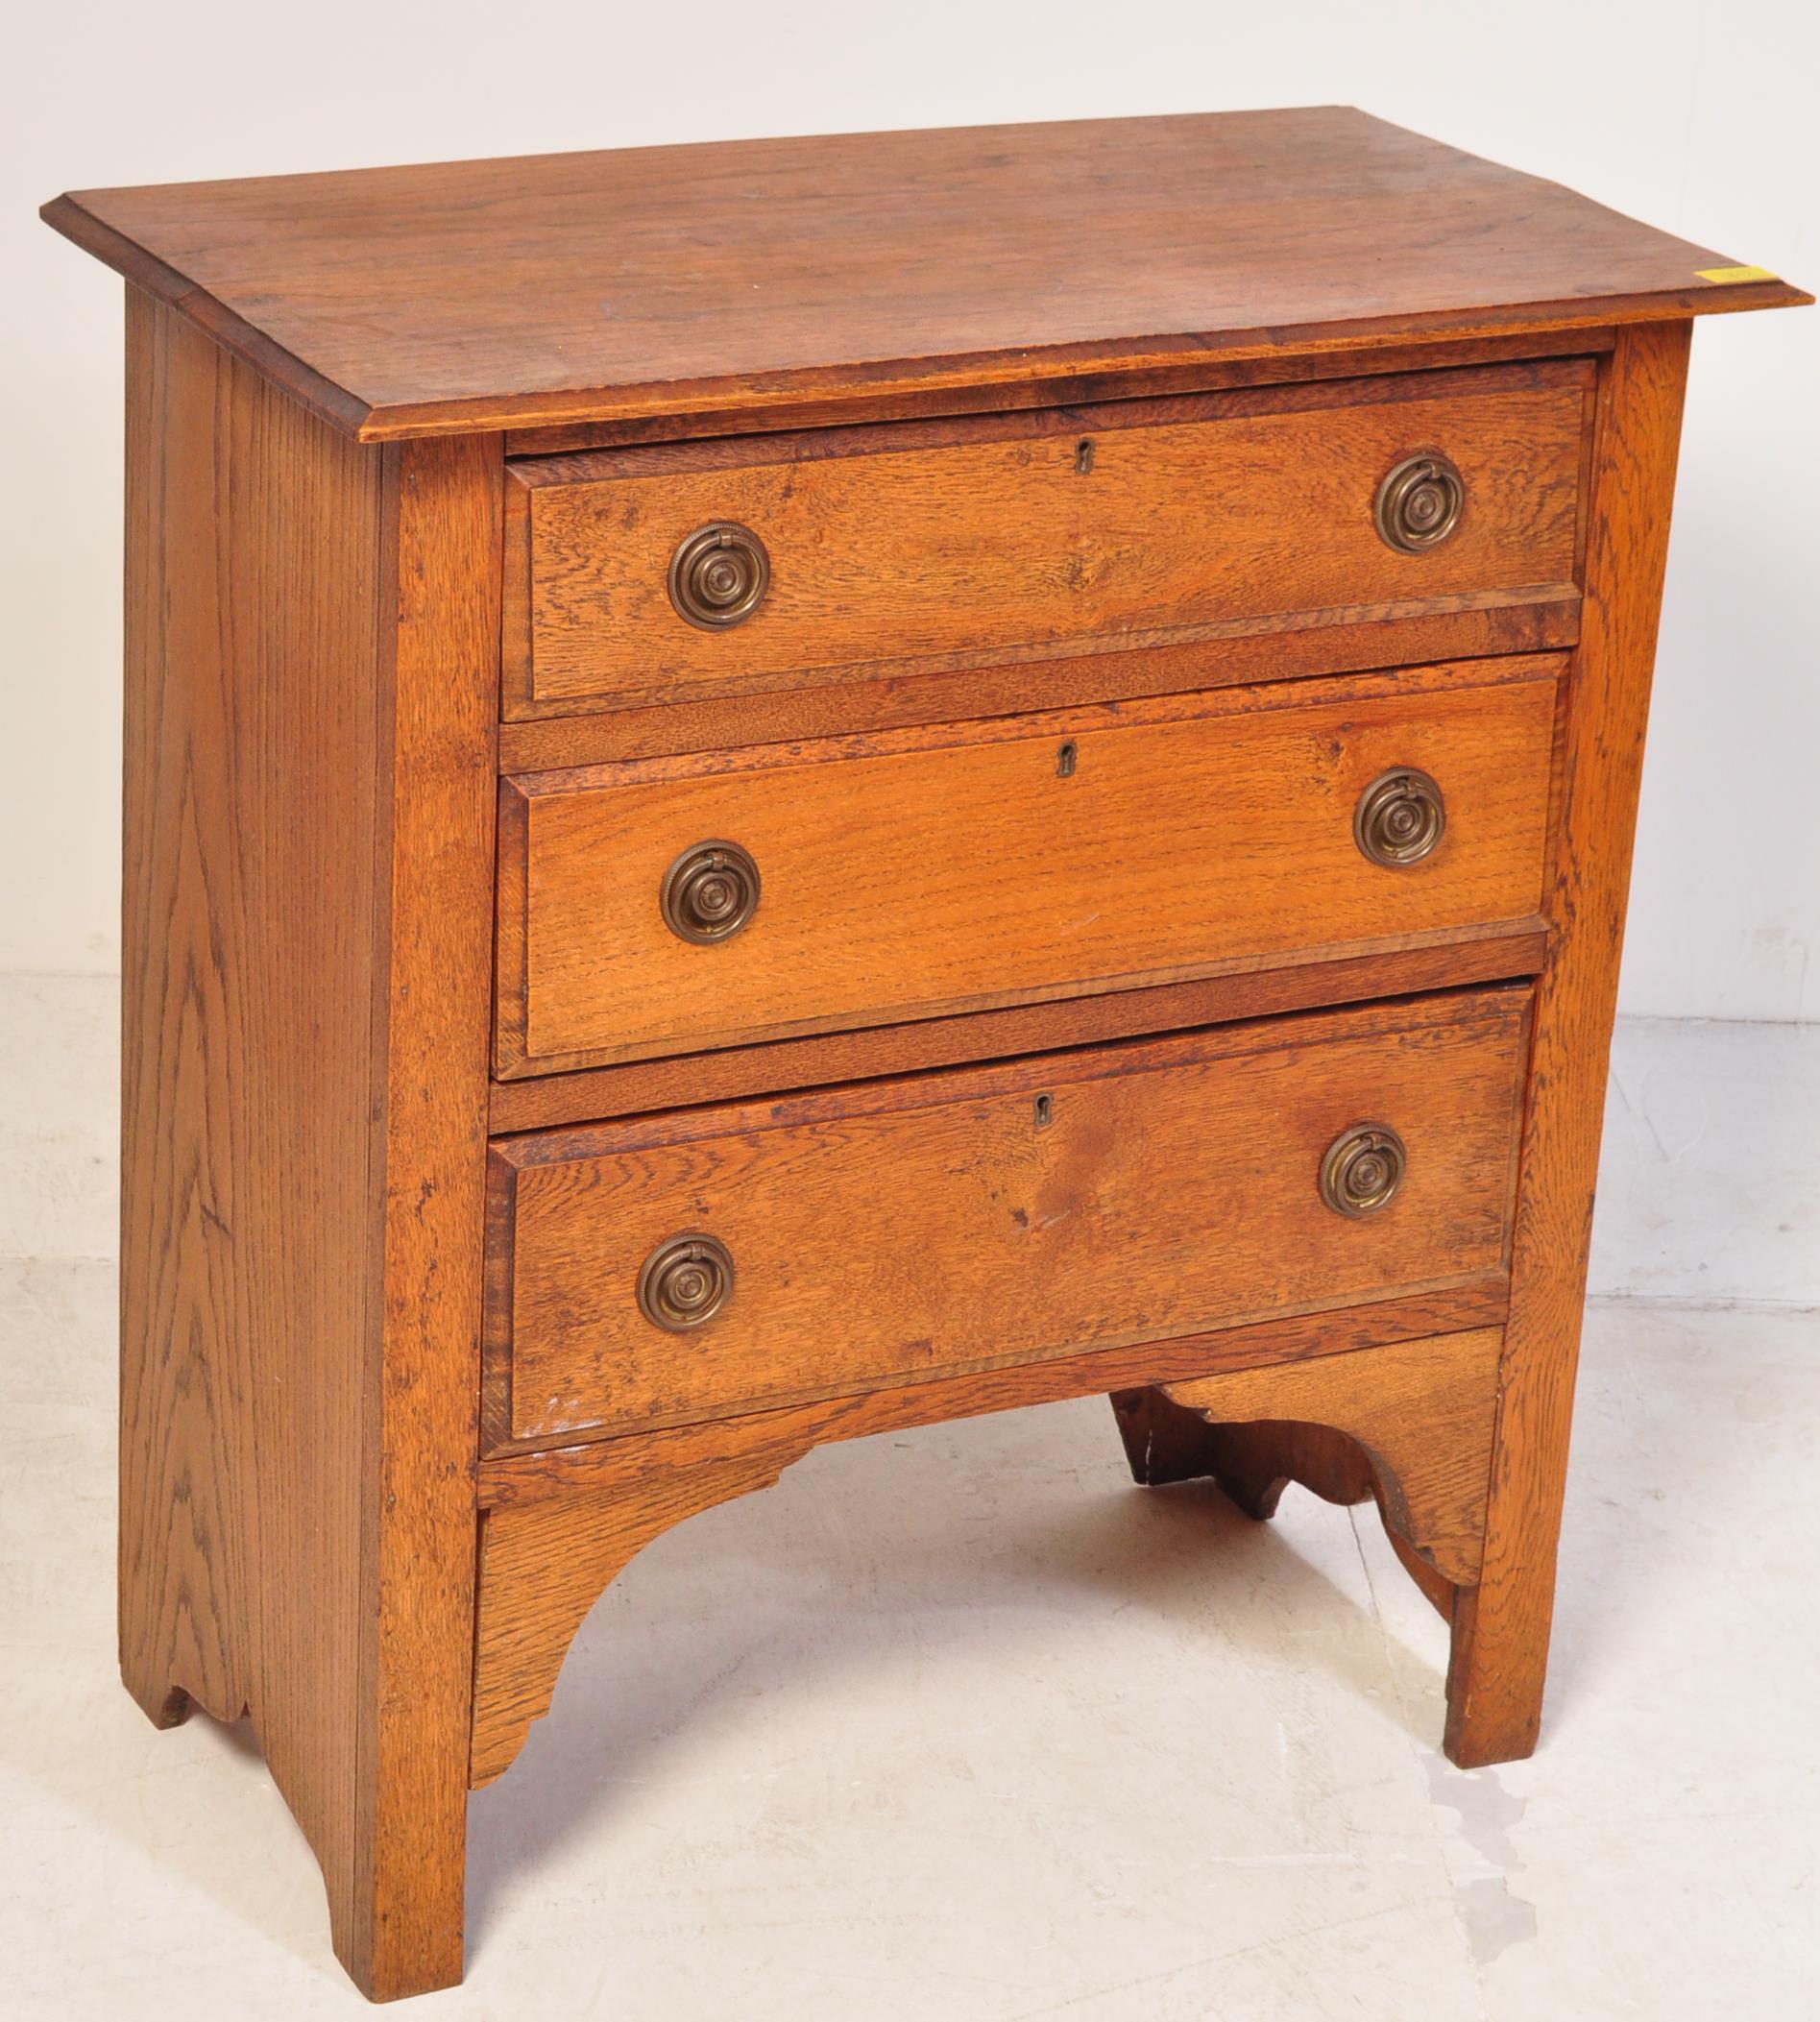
(783, 790)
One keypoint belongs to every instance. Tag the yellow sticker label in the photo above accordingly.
(1723, 274)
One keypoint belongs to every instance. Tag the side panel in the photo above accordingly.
(301, 1200)
(252, 935)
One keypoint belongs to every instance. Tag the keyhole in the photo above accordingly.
(1083, 454)
(1065, 757)
(1044, 1110)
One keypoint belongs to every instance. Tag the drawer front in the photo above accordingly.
(991, 864)
(956, 544)
(991, 1216)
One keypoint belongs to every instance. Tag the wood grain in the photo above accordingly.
(924, 543)
(543, 1564)
(1254, 1462)
(474, 295)
(561, 1524)
(308, 813)
(248, 1258)
(929, 872)
(1202, 374)
(1419, 1414)
(1447, 961)
(439, 621)
(1166, 1186)
(536, 1473)
(1501, 1634)
(1302, 644)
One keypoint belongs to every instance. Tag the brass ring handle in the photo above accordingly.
(1400, 817)
(710, 893)
(685, 1282)
(1363, 1170)
(1418, 504)
(718, 575)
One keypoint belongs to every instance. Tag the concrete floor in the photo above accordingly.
(959, 1724)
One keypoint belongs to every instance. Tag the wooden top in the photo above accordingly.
(551, 288)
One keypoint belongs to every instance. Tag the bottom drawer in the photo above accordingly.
(656, 1270)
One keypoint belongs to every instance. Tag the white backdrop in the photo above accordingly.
(1698, 118)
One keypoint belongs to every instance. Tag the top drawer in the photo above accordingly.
(698, 570)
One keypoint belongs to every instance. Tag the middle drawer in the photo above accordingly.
(677, 905)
